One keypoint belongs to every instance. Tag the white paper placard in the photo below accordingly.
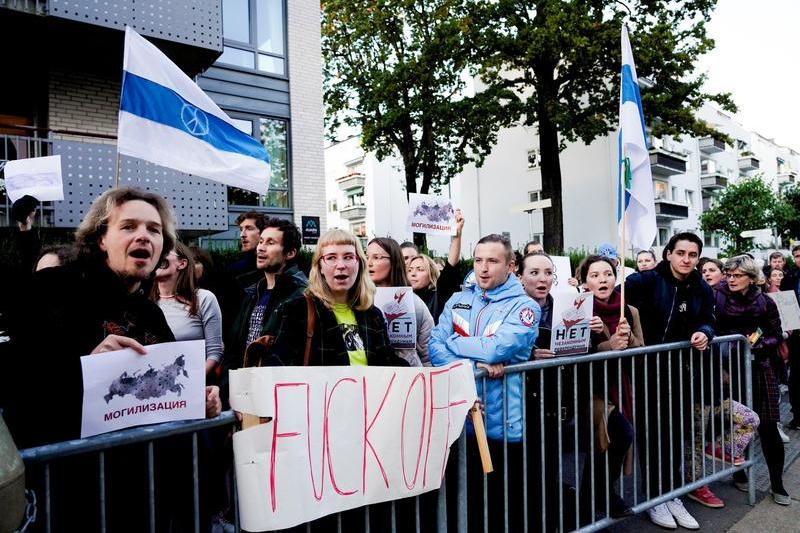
(570, 331)
(39, 177)
(336, 438)
(430, 214)
(788, 309)
(123, 388)
(397, 305)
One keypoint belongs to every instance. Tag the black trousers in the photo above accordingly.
(492, 510)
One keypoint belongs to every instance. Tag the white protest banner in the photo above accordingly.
(431, 214)
(563, 271)
(788, 309)
(336, 438)
(123, 388)
(39, 177)
(397, 304)
(571, 314)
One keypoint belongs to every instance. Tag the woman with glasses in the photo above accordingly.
(191, 313)
(348, 329)
(388, 269)
(741, 307)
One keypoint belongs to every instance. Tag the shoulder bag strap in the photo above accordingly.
(309, 329)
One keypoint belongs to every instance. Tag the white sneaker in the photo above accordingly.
(681, 515)
(784, 436)
(661, 516)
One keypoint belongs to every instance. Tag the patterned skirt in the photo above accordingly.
(766, 392)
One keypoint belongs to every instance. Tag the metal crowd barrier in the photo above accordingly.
(558, 477)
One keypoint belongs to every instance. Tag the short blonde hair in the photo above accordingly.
(430, 266)
(361, 294)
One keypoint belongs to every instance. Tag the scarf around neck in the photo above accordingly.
(609, 311)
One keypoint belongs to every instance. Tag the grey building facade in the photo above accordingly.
(259, 60)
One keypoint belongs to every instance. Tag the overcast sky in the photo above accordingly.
(757, 58)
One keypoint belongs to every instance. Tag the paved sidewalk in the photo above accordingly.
(737, 515)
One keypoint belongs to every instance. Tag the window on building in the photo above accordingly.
(274, 136)
(660, 190)
(690, 198)
(254, 35)
(332, 207)
(534, 160)
(534, 196)
(711, 239)
(663, 236)
(782, 166)
(674, 195)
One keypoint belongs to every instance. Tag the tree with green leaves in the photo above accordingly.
(791, 226)
(562, 60)
(747, 205)
(395, 71)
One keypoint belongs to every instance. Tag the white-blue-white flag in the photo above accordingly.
(634, 159)
(165, 118)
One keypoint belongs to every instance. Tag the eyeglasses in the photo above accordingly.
(735, 275)
(375, 258)
(333, 259)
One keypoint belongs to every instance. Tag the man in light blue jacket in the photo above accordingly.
(492, 323)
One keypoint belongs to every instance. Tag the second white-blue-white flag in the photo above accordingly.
(165, 118)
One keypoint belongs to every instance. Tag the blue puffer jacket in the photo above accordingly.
(495, 326)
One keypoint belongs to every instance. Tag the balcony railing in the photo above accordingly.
(34, 7)
(749, 163)
(669, 210)
(713, 181)
(351, 181)
(353, 212)
(787, 176)
(710, 145)
(665, 162)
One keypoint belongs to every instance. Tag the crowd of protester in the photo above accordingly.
(128, 282)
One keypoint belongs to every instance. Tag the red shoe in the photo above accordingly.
(704, 496)
(716, 453)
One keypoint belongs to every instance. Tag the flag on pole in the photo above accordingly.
(634, 159)
(165, 118)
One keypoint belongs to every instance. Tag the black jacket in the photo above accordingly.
(289, 326)
(288, 284)
(670, 310)
(244, 269)
(66, 313)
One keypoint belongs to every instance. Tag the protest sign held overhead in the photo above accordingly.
(123, 388)
(397, 305)
(571, 314)
(434, 215)
(39, 177)
(336, 438)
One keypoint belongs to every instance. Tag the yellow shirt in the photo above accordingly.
(349, 329)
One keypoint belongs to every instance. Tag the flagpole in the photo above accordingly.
(116, 173)
(622, 175)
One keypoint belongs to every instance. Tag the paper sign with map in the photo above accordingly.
(431, 214)
(123, 389)
(39, 177)
(571, 314)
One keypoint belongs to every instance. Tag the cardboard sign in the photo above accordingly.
(39, 177)
(123, 388)
(788, 309)
(397, 305)
(563, 271)
(570, 331)
(336, 438)
(431, 214)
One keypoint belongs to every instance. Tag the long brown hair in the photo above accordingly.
(397, 264)
(185, 290)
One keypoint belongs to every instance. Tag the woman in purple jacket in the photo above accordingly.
(741, 307)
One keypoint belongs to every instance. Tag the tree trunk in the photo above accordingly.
(551, 179)
(420, 239)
